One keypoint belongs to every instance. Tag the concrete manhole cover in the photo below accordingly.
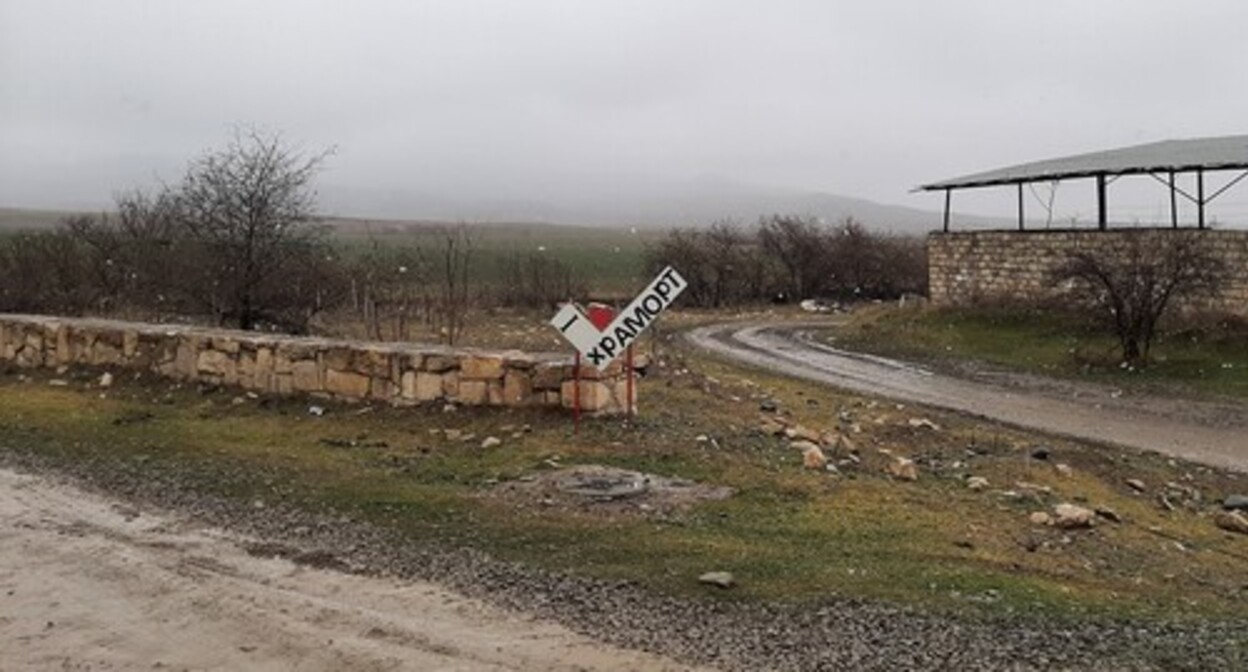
(604, 483)
(606, 490)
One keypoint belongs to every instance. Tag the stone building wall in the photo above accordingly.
(395, 373)
(969, 266)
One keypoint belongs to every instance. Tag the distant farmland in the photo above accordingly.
(608, 260)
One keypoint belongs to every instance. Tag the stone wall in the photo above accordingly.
(969, 266)
(400, 374)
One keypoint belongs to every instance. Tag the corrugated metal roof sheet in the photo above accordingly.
(1228, 152)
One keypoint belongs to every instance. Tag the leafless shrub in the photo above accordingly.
(718, 263)
(451, 268)
(798, 246)
(1132, 286)
(44, 272)
(390, 283)
(537, 280)
(793, 258)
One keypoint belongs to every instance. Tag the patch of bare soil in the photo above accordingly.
(89, 585)
(602, 490)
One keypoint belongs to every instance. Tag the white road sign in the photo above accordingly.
(602, 346)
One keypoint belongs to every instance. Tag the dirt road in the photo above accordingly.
(86, 584)
(1212, 433)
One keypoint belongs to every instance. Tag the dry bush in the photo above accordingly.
(537, 281)
(1131, 287)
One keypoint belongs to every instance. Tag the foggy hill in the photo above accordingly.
(691, 203)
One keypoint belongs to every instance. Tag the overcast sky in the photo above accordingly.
(508, 98)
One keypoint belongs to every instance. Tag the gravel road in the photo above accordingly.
(1208, 432)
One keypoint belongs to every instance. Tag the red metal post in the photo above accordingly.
(576, 394)
(628, 362)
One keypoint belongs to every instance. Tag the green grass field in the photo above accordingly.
(608, 260)
(1212, 359)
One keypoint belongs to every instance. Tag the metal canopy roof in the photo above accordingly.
(1223, 153)
(1154, 159)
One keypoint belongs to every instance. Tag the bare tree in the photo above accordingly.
(452, 268)
(798, 245)
(249, 207)
(1133, 285)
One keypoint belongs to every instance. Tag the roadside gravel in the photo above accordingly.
(832, 635)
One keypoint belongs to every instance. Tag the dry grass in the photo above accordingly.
(788, 534)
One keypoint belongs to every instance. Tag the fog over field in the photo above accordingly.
(618, 113)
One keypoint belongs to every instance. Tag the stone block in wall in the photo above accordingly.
(129, 343)
(338, 358)
(347, 384)
(224, 344)
(474, 392)
(372, 361)
(596, 395)
(440, 363)
(427, 386)
(215, 363)
(305, 376)
(282, 363)
(245, 369)
(481, 368)
(283, 383)
(407, 385)
(549, 375)
(381, 388)
(105, 353)
(64, 351)
(517, 387)
(450, 384)
(515, 359)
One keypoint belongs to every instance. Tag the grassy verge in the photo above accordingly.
(788, 534)
(1209, 360)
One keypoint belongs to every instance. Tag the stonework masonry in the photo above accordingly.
(970, 266)
(394, 373)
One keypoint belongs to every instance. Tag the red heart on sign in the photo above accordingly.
(600, 315)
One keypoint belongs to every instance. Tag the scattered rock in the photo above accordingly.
(1108, 514)
(1071, 516)
(491, 442)
(58, 382)
(977, 483)
(453, 434)
(903, 468)
(1232, 521)
(1064, 469)
(802, 445)
(106, 379)
(768, 406)
(1236, 503)
(802, 433)
(923, 423)
(1040, 518)
(770, 426)
(701, 438)
(718, 579)
(1040, 453)
(1136, 484)
(316, 411)
(813, 458)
